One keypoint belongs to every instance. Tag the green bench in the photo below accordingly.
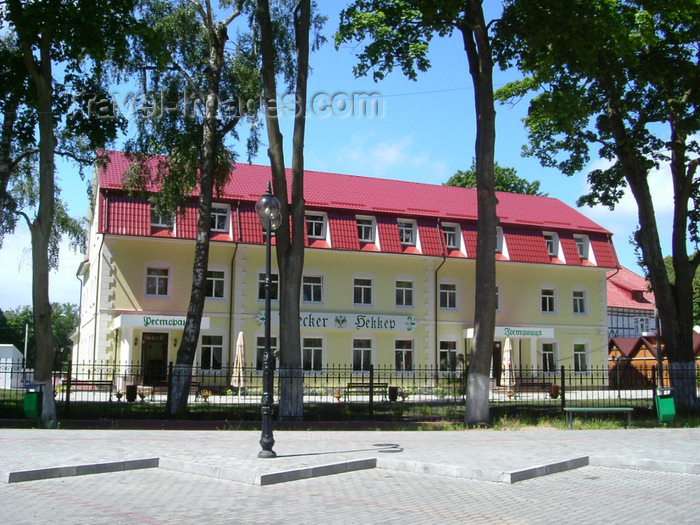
(571, 411)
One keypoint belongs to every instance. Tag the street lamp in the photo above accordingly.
(268, 209)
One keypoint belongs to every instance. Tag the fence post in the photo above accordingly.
(66, 411)
(371, 391)
(170, 386)
(563, 388)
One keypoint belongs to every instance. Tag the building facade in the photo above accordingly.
(631, 306)
(388, 277)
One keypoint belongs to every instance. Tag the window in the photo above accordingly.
(580, 359)
(404, 293)
(212, 350)
(274, 287)
(579, 298)
(403, 355)
(548, 301)
(448, 356)
(215, 285)
(451, 236)
(548, 358)
(365, 229)
(362, 292)
(312, 352)
(315, 226)
(500, 242)
(160, 221)
(498, 298)
(260, 351)
(407, 232)
(361, 355)
(642, 325)
(157, 282)
(219, 219)
(312, 289)
(448, 296)
(552, 241)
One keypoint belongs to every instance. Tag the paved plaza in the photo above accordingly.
(477, 476)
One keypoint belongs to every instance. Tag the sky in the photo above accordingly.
(424, 132)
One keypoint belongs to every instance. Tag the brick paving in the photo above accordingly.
(591, 494)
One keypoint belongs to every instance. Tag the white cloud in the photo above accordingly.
(396, 158)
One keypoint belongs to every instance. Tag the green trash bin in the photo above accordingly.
(665, 405)
(32, 401)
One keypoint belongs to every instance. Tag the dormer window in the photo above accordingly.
(219, 219)
(407, 232)
(552, 241)
(316, 225)
(451, 231)
(365, 229)
(582, 246)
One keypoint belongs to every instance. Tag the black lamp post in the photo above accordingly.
(268, 209)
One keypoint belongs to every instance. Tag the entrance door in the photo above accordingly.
(497, 362)
(155, 358)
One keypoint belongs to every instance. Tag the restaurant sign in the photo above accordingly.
(340, 321)
(155, 321)
(516, 332)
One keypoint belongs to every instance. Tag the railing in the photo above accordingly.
(378, 392)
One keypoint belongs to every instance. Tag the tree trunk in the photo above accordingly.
(290, 250)
(478, 49)
(42, 225)
(182, 374)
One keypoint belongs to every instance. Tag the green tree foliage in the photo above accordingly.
(59, 45)
(398, 33)
(668, 261)
(621, 76)
(64, 320)
(187, 58)
(506, 179)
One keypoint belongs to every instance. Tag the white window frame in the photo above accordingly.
(365, 353)
(407, 293)
(551, 239)
(409, 350)
(220, 212)
(160, 221)
(499, 297)
(209, 369)
(549, 368)
(583, 247)
(452, 235)
(576, 352)
(155, 265)
(365, 287)
(317, 354)
(579, 298)
(408, 232)
(501, 245)
(219, 279)
(316, 225)
(314, 283)
(445, 294)
(274, 286)
(366, 232)
(551, 300)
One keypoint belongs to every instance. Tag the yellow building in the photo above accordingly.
(388, 277)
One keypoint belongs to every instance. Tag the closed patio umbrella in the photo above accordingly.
(238, 373)
(507, 376)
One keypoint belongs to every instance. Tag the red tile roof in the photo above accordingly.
(522, 217)
(627, 289)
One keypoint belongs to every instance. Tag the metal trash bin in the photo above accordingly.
(33, 399)
(665, 405)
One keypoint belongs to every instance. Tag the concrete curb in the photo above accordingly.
(77, 470)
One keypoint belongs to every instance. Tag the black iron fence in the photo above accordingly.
(378, 392)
